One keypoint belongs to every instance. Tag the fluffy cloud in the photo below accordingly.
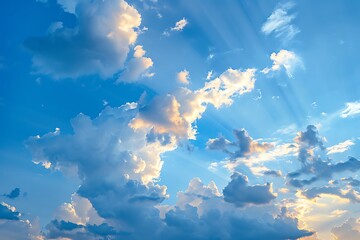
(183, 77)
(341, 147)
(309, 142)
(284, 59)
(244, 144)
(240, 194)
(180, 25)
(208, 216)
(351, 110)
(119, 196)
(137, 66)
(98, 44)
(280, 23)
(176, 113)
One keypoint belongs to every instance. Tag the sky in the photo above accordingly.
(163, 119)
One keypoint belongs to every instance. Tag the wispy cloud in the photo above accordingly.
(351, 109)
(280, 23)
(340, 147)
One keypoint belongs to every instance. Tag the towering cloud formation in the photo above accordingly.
(117, 157)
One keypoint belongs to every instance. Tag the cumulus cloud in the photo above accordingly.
(98, 44)
(341, 147)
(137, 66)
(284, 59)
(119, 196)
(176, 113)
(201, 207)
(351, 109)
(309, 142)
(183, 77)
(180, 25)
(280, 23)
(240, 194)
(244, 144)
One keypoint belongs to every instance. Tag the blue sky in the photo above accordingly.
(158, 119)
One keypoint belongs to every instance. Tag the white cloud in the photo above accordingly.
(341, 147)
(286, 59)
(183, 77)
(98, 44)
(280, 23)
(209, 75)
(137, 67)
(352, 109)
(175, 113)
(180, 25)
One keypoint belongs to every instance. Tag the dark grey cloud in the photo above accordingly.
(243, 146)
(323, 171)
(239, 193)
(15, 193)
(64, 229)
(274, 173)
(309, 142)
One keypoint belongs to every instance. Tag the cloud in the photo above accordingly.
(8, 212)
(202, 213)
(245, 146)
(347, 231)
(238, 193)
(341, 147)
(180, 25)
(98, 44)
(284, 59)
(316, 192)
(13, 227)
(280, 23)
(13, 194)
(183, 77)
(309, 142)
(352, 109)
(119, 195)
(273, 173)
(137, 67)
(177, 112)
